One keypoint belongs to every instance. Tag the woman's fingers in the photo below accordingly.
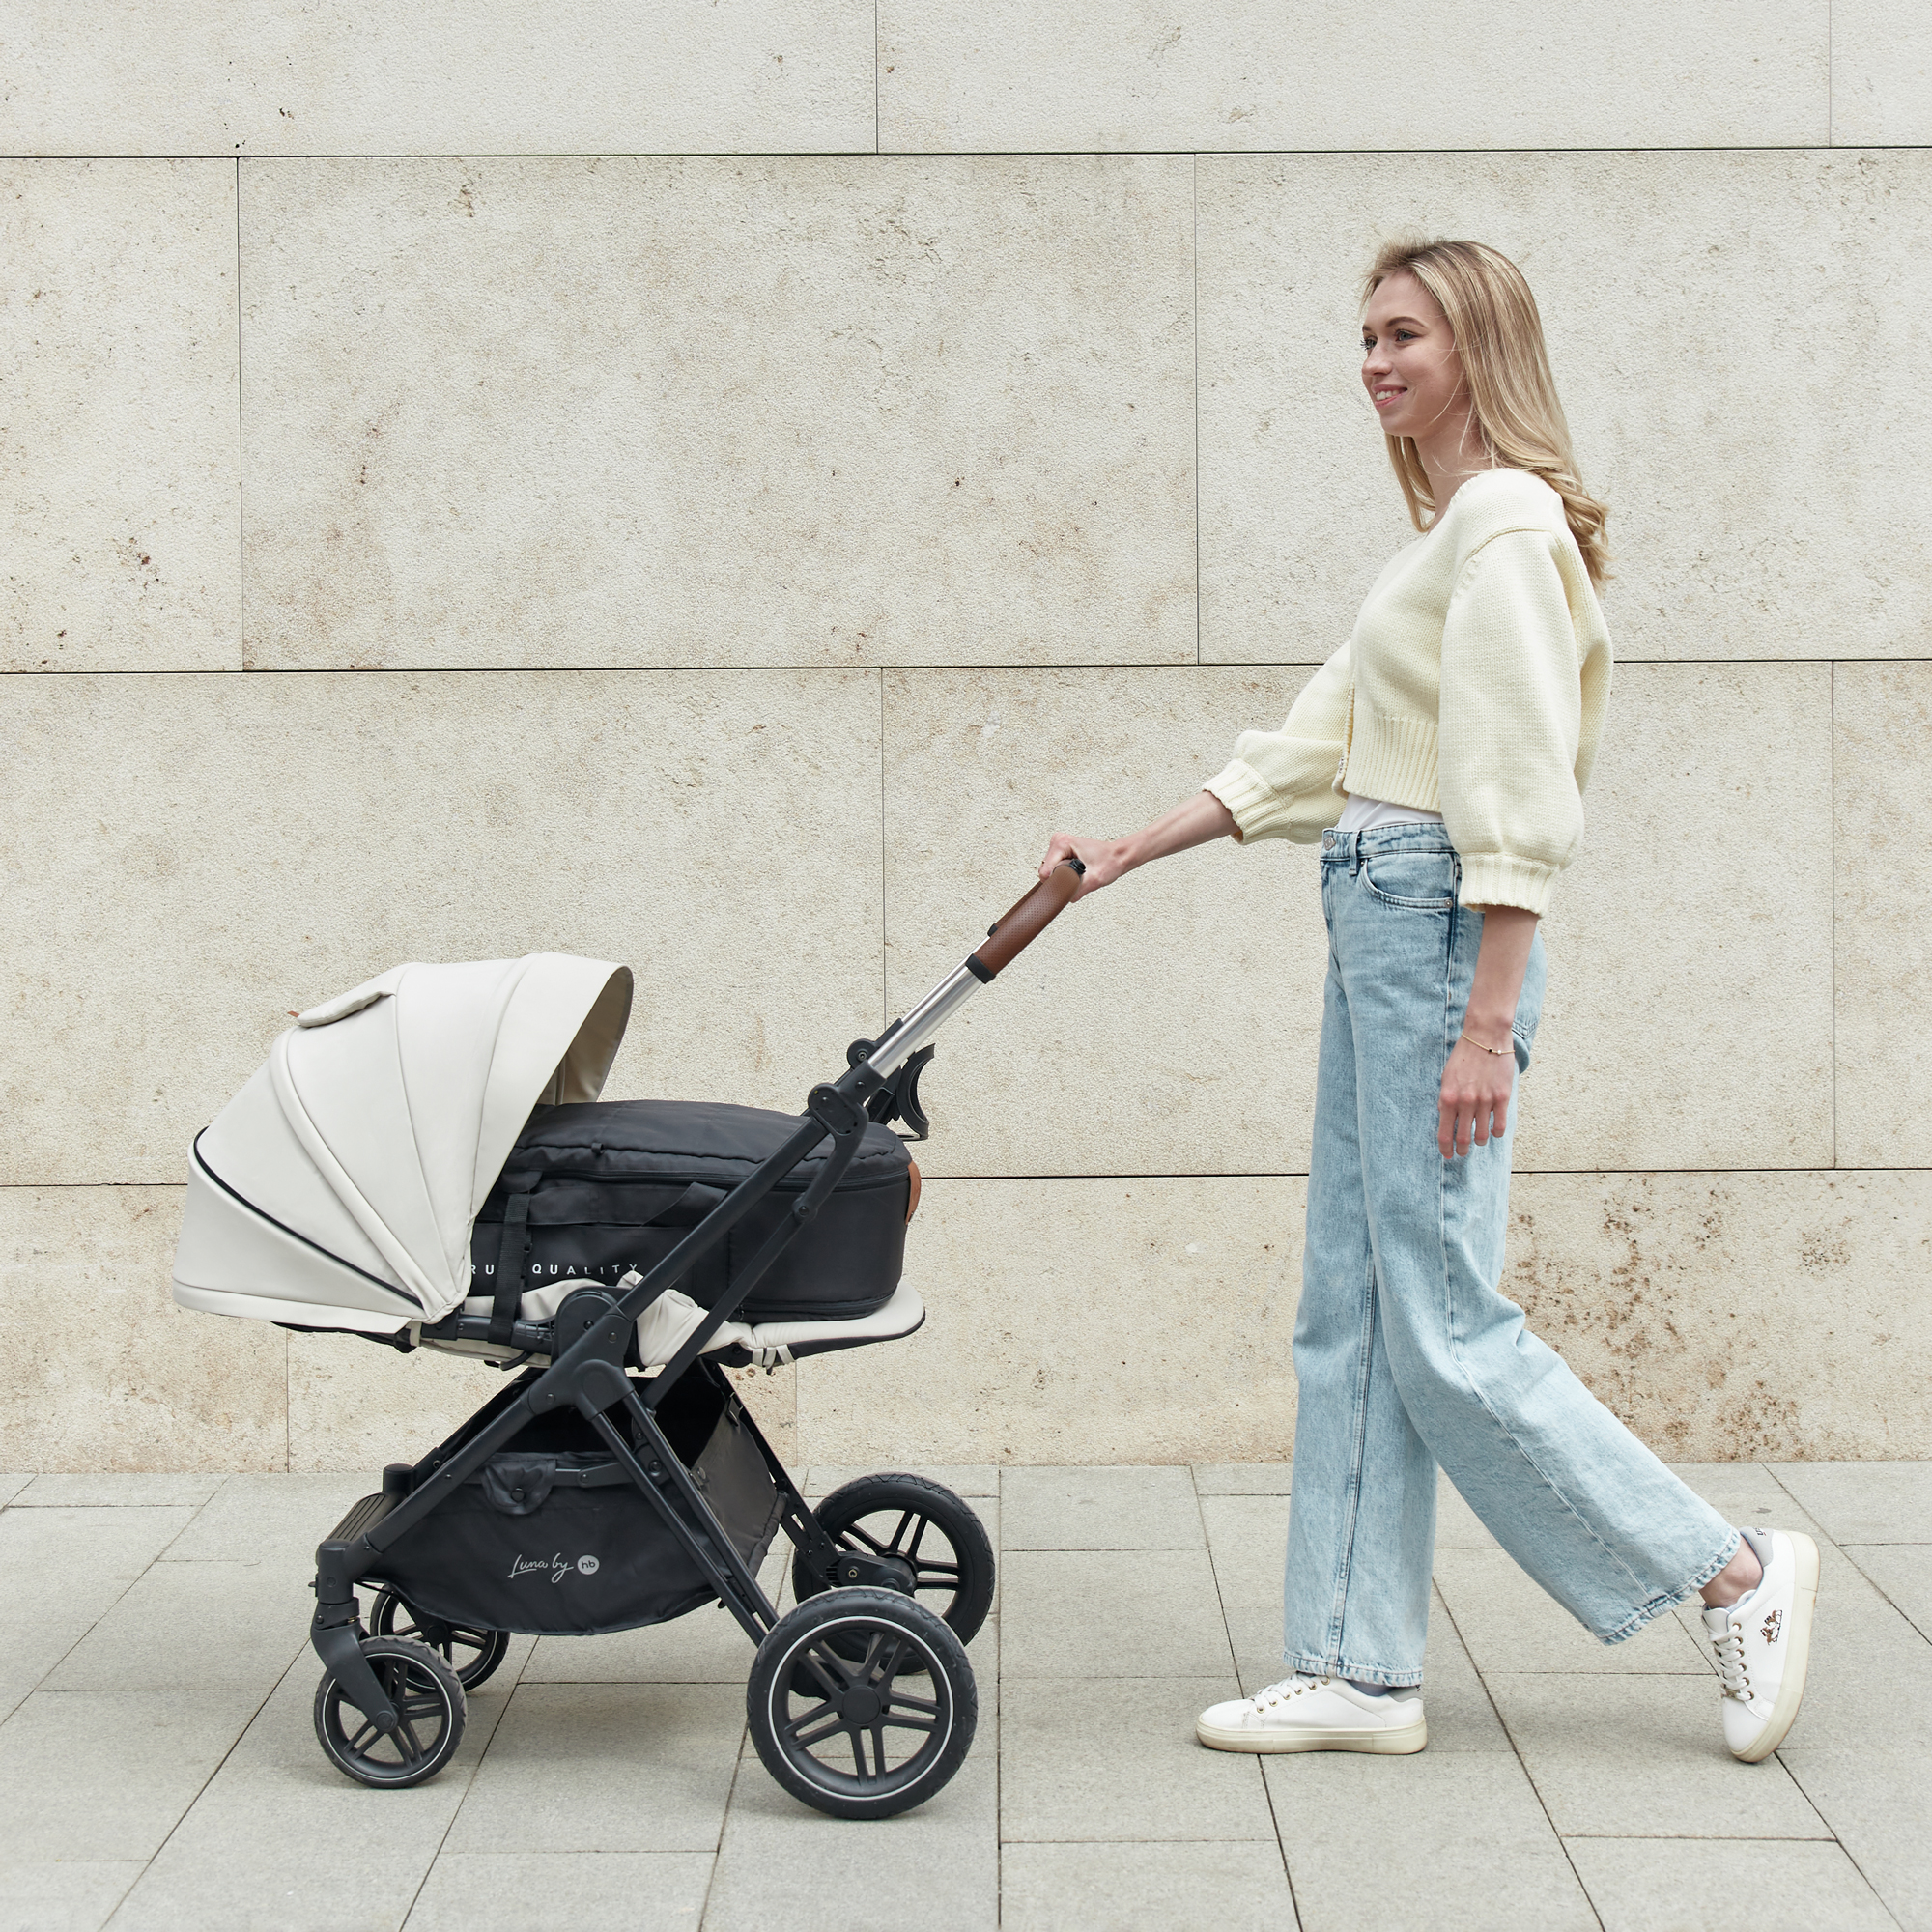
(1474, 1107)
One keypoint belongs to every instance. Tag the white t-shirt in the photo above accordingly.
(1365, 814)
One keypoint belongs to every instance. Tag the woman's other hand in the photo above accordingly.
(1476, 1088)
(1194, 821)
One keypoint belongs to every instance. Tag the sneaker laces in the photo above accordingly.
(1271, 1695)
(1730, 1649)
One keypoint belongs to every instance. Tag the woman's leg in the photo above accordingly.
(1566, 1489)
(1362, 1517)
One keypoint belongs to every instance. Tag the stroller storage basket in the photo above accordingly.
(551, 1536)
(613, 1185)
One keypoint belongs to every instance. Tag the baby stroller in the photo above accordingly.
(424, 1162)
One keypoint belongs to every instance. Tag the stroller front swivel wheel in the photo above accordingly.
(470, 1651)
(429, 1701)
(862, 1703)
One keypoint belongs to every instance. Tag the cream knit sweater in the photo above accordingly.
(1474, 685)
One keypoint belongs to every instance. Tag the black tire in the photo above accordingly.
(904, 1739)
(894, 1517)
(428, 1696)
(470, 1651)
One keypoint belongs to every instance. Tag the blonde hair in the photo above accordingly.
(1500, 337)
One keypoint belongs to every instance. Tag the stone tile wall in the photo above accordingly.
(713, 486)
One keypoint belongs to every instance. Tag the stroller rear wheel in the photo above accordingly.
(471, 1652)
(834, 1717)
(925, 1532)
(429, 1702)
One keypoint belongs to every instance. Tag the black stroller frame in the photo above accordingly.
(849, 1653)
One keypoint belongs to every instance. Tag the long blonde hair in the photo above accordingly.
(1500, 337)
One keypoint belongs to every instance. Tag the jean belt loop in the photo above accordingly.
(1354, 853)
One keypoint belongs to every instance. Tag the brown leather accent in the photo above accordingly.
(1024, 921)
(912, 1193)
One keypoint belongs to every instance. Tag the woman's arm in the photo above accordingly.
(1476, 1085)
(1194, 821)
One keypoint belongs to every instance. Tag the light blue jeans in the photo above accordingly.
(1407, 1354)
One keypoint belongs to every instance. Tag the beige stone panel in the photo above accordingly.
(660, 412)
(186, 859)
(1260, 74)
(574, 76)
(1881, 72)
(1166, 1025)
(1687, 1022)
(1883, 714)
(1727, 1317)
(1726, 330)
(1079, 1322)
(105, 1372)
(119, 484)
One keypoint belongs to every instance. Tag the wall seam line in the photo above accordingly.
(240, 500)
(1832, 796)
(1195, 265)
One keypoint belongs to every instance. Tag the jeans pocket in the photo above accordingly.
(1416, 881)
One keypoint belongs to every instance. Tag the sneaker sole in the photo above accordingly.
(1797, 1659)
(1391, 1741)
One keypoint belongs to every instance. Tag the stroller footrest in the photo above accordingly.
(363, 1516)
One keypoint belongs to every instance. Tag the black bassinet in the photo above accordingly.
(597, 1188)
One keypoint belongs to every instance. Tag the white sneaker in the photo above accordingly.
(1764, 1642)
(1315, 1714)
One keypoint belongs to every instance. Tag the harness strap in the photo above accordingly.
(509, 1269)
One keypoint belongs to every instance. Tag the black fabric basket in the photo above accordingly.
(613, 1184)
(552, 1537)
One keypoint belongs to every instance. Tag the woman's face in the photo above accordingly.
(1409, 365)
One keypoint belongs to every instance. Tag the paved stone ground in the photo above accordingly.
(157, 1767)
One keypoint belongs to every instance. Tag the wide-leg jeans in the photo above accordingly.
(1407, 1352)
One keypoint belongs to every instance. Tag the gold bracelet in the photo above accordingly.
(1498, 1051)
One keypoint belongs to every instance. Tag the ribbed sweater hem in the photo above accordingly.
(1393, 760)
(1259, 811)
(1493, 879)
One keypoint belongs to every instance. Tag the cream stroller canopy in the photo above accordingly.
(339, 1187)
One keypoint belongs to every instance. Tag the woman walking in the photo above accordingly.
(1440, 759)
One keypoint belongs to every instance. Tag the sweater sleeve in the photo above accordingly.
(1281, 784)
(1510, 721)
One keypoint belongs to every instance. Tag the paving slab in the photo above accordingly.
(12, 1482)
(1684, 1885)
(784, 1862)
(1863, 1502)
(282, 1839)
(605, 1768)
(1084, 1761)
(61, 1571)
(270, 1519)
(1048, 1508)
(194, 1626)
(66, 1895)
(1111, 1613)
(1460, 1841)
(562, 1892)
(1643, 1757)
(1902, 1572)
(963, 1478)
(1242, 1479)
(1878, 1802)
(1460, 1714)
(1247, 1544)
(108, 1774)
(1232, 1888)
(1510, 1623)
(116, 1491)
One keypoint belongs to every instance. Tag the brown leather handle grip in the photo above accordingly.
(1023, 922)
